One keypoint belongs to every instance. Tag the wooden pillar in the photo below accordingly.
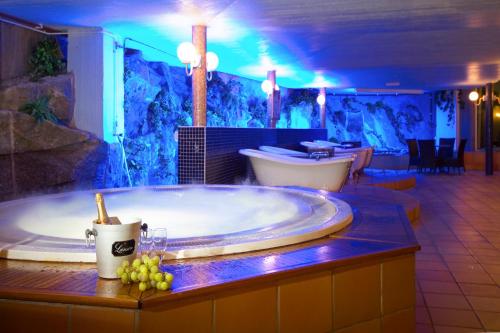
(199, 79)
(271, 102)
(488, 130)
(322, 108)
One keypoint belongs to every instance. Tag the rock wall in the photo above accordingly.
(17, 92)
(158, 100)
(45, 157)
(381, 121)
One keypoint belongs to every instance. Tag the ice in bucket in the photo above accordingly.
(114, 241)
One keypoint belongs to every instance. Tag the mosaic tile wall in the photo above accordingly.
(218, 148)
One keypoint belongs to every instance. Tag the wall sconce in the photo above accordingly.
(191, 58)
(321, 99)
(267, 87)
(474, 97)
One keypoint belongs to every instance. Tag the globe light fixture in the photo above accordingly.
(476, 99)
(187, 54)
(473, 96)
(321, 99)
(212, 63)
(267, 87)
(191, 58)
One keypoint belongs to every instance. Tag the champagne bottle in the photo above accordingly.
(102, 214)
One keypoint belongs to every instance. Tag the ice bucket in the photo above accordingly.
(114, 243)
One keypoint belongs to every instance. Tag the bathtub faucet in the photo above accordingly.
(319, 154)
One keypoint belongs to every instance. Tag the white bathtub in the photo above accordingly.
(280, 170)
(283, 151)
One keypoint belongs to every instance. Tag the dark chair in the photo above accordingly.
(354, 144)
(427, 155)
(445, 151)
(413, 152)
(458, 162)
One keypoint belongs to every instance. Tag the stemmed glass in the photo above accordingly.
(160, 242)
(146, 242)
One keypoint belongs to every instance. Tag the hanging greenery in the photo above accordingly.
(444, 100)
(46, 60)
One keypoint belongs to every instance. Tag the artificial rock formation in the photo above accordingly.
(40, 157)
(15, 93)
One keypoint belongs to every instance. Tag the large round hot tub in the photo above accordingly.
(200, 220)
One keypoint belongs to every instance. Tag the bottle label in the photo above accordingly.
(123, 248)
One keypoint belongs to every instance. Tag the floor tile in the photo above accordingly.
(488, 290)
(473, 277)
(439, 287)
(444, 276)
(459, 258)
(424, 328)
(422, 315)
(490, 320)
(419, 300)
(485, 303)
(431, 265)
(453, 317)
(446, 301)
(449, 329)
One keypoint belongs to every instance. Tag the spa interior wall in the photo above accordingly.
(158, 101)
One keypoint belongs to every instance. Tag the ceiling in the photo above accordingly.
(395, 44)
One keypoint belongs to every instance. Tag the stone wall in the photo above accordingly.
(381, 121)
(41, 157)
(158, 100)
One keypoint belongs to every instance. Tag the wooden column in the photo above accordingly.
(199, 79)
(488, 130)
(322, 108)
(271, 101)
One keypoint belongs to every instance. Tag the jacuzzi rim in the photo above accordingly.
(198, 239)
(342, 218)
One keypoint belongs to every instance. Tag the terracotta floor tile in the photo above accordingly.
(496, 278)
(488, 290)
(472, 277)
(453, 317)
(488, 259)
(448, 301)
(486, 252)
(424, 328)
(471, 267)
(419, 300)
(459, 258)
(490, 320)
(449, 329)
(431, 265)
(427, 256)
(444, 276)
(459, 232)
(422, 315)
(485, 303)
(478, 245)
(492, 269)
(439, 287)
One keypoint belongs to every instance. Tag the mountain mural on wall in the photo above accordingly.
(381, 121)
(158, 101)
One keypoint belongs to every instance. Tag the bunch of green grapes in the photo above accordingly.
(147, 272)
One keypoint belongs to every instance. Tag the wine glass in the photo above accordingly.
(146, 242)
(160, 242)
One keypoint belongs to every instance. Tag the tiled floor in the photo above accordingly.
(458, 268)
